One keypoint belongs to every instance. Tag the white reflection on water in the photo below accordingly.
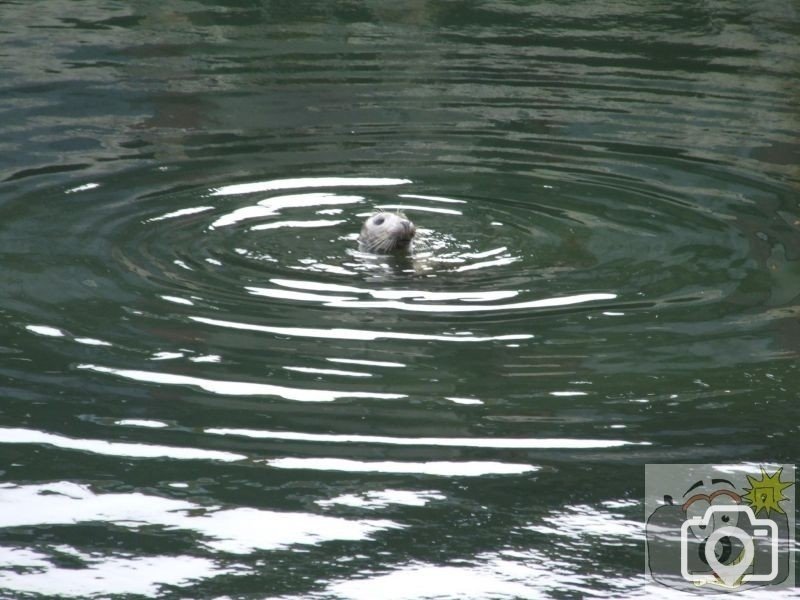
(368, 363)
(314, 371)
(582, 520)
(166, 355)
(82, 188)
(384, 294)
(206, 358)
(391, 297)
(485, 254)
(487, 263)
(181, 213)
(10, 435)
(45, 330)
(91, 341)
(429, 581)
(457, 400)
(355, 334)
(48, 331)
(293, 295)
(508, 574)
(441, 468)
(409, 207)
(238, 388)
(434, 198)
(297, 224)
(305, 182)
(383, 498)
(543, 303)
(177, 300)
(235, 530)
(141, 423)
(502, 575)
(524, 443)
(103, 575)
(271, 207)
(392, 294)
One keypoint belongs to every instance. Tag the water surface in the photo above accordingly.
(208, 392)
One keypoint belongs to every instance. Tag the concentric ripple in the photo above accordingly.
(220, 273)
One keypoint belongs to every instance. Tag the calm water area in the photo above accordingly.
(207, 391)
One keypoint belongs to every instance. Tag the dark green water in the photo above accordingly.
(208, 393)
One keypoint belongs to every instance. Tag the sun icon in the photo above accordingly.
(766, 493)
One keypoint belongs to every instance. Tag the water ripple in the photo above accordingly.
(604, 275)
(238, 388)
(10, 435)
(305, 182)
(450, 442)
(357, 334)
(234, 530)
(432, 467)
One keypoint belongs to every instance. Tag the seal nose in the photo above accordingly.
(409, 229)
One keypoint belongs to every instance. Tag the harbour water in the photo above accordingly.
(208, 392)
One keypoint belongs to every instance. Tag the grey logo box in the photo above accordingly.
(717, 529)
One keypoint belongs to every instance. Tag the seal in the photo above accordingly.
(386, 232)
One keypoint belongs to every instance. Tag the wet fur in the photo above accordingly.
(380, 239)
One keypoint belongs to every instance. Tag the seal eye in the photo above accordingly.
(378, 220)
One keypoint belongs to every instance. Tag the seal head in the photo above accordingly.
(386, 232)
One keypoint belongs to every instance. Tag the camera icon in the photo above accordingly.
(729, 550)
(709, 532)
